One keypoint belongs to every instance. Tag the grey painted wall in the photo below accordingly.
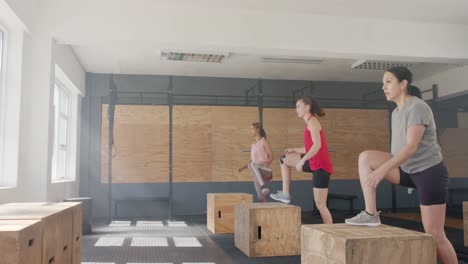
(190, 198)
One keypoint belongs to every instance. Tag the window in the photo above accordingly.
(2, 85)
(1, 51)
(11, 57)
(65, 131)
(60, 155)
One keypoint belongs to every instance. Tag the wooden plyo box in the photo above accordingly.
(77, 234)
(465, 222)
(268, 229)
(342, 243)
(220, 210)
(20, 241)
(57, 229)
(75, 209)
(72, 236)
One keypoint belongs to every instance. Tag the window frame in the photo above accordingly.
(72, 118)
(3, 65)
(11, 90)
(57, 147)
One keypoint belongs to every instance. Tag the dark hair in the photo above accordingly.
(258, 126)
(314, 106)
(402, 73)
(414, 91)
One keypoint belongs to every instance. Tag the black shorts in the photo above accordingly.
(320, 179)
(431, 183)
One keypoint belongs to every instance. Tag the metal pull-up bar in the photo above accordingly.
(311, 88)
(110, 117)
(259, 86)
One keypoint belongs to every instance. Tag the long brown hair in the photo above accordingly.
(259, 127)
(314, 106)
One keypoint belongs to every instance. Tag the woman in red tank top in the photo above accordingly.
(313, 157)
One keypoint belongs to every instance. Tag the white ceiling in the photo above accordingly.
(126, 36)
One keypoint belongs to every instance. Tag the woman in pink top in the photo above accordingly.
(313, 157)
(261, 157)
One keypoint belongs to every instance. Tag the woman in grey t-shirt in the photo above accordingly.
(415, 161)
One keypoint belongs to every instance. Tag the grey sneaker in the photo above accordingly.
(364, 219)
(280, 196)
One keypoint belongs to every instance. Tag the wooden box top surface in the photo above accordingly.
(61, 205)
(9, 212)
(268, 205)
(16, 225)
(229, 194)
(350, 232)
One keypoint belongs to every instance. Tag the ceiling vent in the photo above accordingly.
(379, 65)
(291, 60)
(195, 57)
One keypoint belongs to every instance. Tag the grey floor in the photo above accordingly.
(115, 245)
(189, 241)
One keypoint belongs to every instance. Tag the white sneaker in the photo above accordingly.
(364, 219)
(280, 196)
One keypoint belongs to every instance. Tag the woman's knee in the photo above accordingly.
(320, 205)
(282, 162)
(281, 159)
(364, 157)
(437, 233)
(286, 162)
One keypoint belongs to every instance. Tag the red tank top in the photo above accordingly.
(321, 160)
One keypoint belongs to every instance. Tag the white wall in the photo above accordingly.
(66, 59)
(26, 10)
(36, 126)
(125, 24)
(450, 82)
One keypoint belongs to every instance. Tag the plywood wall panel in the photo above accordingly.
(454, 143)
(141, 144)
(462, 119)
(218, 147)
(348, 132)
(210, 143)
(192, 144)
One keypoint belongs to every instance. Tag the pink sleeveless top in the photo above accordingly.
(321, 160)
(258, 152)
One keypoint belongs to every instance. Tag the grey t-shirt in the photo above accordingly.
(428, 154)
